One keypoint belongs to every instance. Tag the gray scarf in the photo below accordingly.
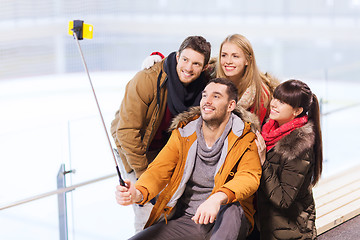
(211, 155)
(201, 181)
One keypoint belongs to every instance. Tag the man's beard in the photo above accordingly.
(216, 120)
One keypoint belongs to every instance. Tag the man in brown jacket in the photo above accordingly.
(152, 98)
(206, 174)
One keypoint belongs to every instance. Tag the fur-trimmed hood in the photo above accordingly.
(297, 142)
(194, 112)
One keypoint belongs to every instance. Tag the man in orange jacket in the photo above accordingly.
(206, 174)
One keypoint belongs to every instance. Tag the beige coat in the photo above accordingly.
(139, 117)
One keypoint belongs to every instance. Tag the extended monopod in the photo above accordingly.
(79, 30)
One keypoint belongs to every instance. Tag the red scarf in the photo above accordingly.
(272, 133)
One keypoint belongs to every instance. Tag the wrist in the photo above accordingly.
(262, 160)
(221, 197)
(138, 196)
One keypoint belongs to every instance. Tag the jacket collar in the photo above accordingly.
(193, 113)
(297, 142)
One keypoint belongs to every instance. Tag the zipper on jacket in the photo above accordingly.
(242, 153)
(166, 213)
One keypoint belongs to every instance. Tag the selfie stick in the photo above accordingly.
(78, 31)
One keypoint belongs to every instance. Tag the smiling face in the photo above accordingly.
(215, 105)
(190, 65)
(283, 112)
(232, 61)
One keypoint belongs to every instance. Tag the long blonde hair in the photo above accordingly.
(252, 76)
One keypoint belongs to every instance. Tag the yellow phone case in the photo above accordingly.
(87, 30)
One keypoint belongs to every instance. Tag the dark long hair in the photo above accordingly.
(298, 94)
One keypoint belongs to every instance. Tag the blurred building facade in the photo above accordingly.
(291, 38)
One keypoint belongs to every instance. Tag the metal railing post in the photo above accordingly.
(62, 206)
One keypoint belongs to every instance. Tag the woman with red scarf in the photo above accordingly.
(290, 149)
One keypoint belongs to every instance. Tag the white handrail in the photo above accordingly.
(61, 190)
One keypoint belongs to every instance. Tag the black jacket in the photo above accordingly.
(286, 207)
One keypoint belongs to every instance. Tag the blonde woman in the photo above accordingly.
(237, 62)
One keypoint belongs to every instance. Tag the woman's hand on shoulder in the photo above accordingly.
(260, 143)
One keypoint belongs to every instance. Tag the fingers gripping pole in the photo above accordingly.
(98, 106)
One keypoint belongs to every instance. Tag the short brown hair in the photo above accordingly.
(198, 44)
(231, 90)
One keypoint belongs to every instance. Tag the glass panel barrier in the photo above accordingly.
(33, 221)
(49, 123)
